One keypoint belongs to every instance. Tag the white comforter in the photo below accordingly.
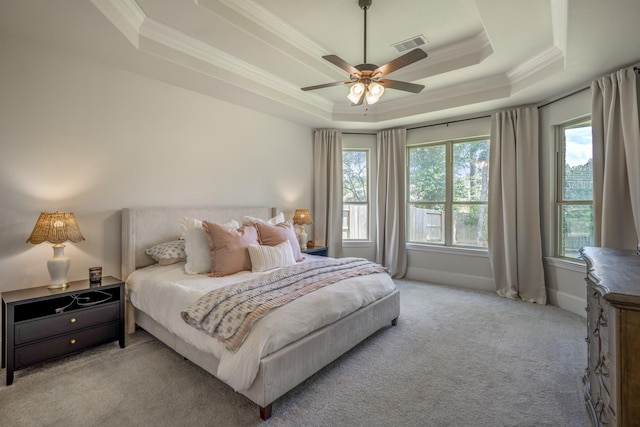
(164, 291)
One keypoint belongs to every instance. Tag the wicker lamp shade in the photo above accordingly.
(56, 227)
(302, 217)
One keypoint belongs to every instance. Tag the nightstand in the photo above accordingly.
(41, 324)
(319, 251)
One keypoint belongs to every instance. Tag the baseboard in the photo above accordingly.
(567, 302)
(451, 279)
(560, 299)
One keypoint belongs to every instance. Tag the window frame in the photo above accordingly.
(560, 163)
(367, 152)
(448, 203)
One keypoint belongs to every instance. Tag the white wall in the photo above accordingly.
(77, 135)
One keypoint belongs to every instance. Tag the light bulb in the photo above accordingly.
(374, 92)
(376, 89)
(356, 92)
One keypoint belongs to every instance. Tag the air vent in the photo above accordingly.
(411, 43)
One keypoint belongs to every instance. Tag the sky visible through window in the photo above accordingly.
(578, 146)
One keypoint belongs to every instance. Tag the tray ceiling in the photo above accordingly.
(483, 54)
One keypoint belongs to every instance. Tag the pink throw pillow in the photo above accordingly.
(229, 248)
(272, 235)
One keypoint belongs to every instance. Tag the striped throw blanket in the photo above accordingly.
(228, 313)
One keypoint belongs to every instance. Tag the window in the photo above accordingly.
(447, 193)
(574, 192)
(355, 195)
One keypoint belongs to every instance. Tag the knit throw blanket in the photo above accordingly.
(228, 313)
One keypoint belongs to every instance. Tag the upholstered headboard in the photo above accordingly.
(145, 227)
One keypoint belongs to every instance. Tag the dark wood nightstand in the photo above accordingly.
(41, 324)
(319, 251)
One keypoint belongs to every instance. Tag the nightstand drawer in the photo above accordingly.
(64, 344)
(66, 322)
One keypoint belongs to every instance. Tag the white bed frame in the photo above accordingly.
(279, 372)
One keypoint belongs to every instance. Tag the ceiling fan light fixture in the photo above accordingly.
(376, 89)
(374, 92)
(356, 91)
(371, 99)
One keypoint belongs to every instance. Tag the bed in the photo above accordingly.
(276, 371)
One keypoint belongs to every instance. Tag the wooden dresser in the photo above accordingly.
(612, 378)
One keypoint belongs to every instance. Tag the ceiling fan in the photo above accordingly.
(366, 79)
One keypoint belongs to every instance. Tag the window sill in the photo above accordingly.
(566, 264)
(484, 253)
(357, 243)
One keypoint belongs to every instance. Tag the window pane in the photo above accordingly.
(355, 222)
(470, 171)
(426, 223)
(578, 168)
(427, 180)
(576, 229)
(470, 225)
(354, 176)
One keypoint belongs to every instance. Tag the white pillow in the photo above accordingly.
(264, 258)
(249, 220)
(196, 245)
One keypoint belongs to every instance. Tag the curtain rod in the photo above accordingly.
(450, 122)
(564, 96)
(636, 69)
(358, 133)
(423, 126)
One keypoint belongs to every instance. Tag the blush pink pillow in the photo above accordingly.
(272, 235)
(229, 248)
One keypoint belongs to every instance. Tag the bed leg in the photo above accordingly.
(265, 412)
(394, 322)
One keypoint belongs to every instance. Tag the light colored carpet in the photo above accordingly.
(456, 358)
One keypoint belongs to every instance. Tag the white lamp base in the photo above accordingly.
(58, 268)
(303, 239)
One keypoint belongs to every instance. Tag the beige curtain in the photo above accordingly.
(616, 160)
(391, 250)
(327, 195)
(515, 247)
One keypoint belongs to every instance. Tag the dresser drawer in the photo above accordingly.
(33, 330)
(65, 344)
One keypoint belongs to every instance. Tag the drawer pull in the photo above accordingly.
(73, 341)
(72, 320)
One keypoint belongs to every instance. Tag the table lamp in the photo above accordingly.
(57, 228)
(302, 217)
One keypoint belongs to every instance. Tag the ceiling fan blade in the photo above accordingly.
(399, 62)
(341, 63)
(396, 84)
(325, 85)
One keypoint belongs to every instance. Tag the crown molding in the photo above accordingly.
(154, 37)
(260, 16)
(559, 23)
(125, 15)
(486, 89)
(462, 48)
(151, 36)
(546, 59)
